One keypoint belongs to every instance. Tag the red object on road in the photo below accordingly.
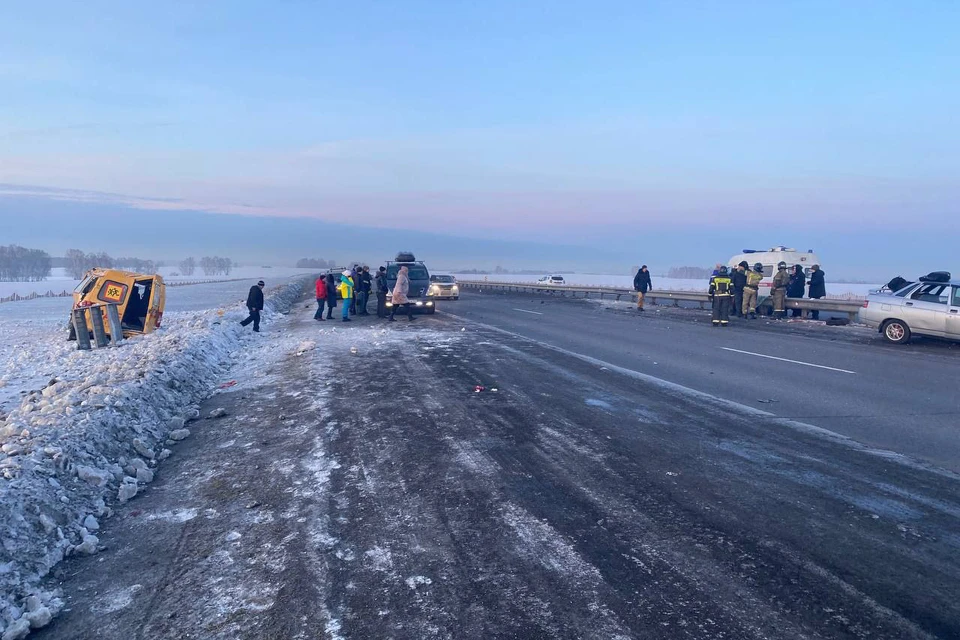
(227, 385)
(479, 388)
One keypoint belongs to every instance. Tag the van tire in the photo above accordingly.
(895, 331)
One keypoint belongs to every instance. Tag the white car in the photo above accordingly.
(552, 280)
(444, 287)
(930, 307)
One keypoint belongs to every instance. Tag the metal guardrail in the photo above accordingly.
(672, 298)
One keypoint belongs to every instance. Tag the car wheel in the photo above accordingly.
(896, 331)
(432, 310)
(456, 297)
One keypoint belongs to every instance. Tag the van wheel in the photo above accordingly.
(896, 331)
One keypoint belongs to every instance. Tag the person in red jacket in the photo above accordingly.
(321, 298)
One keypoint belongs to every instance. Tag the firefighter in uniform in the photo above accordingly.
(721, 293)
(750, 291)
(780, 282)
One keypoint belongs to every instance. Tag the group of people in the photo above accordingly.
(737, 292)
(354, 286)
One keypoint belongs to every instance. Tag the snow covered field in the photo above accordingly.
(659, 284)
(59, 281)
(83, 428)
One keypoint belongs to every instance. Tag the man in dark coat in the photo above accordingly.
(255, 305)
(642, 284)
(795, 288)
(382, 289)
(363, 290)
(818, 288)
(739, 278)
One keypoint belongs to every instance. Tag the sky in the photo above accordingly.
(605, 132)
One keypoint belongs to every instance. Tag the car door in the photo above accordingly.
(926, 309)
(953, 317)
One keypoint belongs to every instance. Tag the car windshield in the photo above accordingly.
(446, 279)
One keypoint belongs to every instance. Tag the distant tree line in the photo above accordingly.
(77, 263)
(138, 265)
(216, 266)
(19, 264)
(689, 273)
(316, 263)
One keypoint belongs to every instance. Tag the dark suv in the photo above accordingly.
(419, 282)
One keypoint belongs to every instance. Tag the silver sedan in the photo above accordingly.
(922, 308)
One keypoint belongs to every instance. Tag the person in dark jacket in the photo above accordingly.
(255, 305)
(364, 285)
(382, 288)
(795, 289)
(354, 277)
(642, 284)
(331, 296)
(818, 288)
(739, 278)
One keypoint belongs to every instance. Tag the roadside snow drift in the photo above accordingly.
(92, 436)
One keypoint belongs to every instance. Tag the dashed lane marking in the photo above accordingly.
(806, 364)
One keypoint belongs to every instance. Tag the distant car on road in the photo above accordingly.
(930, 307)
(443, 287)
(554, 280)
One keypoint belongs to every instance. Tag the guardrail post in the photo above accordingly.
(116, 330)
(80, 328)
(99, 334)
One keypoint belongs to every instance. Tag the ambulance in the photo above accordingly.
(770, 259)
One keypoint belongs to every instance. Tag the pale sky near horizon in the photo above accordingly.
(571, 120)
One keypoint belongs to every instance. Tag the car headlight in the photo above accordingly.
(419, 303)
(429, 304)
(455, 289)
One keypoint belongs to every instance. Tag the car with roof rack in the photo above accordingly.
(419, 294)
(929, 307)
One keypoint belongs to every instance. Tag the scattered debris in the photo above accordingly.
(227, 385)
(219, 412)
(479, 388)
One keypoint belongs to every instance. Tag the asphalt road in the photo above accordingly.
(377, 494)
(844, 379)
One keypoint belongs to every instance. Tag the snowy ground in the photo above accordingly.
(839, 290)
(59, 281)
(85, 430)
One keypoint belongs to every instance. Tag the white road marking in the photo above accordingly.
(536, 313)
(806, 364)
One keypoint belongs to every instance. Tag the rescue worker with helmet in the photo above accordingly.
(739, 277)
(780, 283)
(721, 293)
(750, 291)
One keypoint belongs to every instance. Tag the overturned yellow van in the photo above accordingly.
(140, 299)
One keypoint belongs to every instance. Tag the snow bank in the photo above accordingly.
(92, 435)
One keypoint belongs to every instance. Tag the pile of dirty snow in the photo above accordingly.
(92, 435)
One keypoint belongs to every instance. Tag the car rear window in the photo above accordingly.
(415, 271)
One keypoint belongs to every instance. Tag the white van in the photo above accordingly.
(770, 259)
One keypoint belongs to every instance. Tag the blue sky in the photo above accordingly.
(568, 122)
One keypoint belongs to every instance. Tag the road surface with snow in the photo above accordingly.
(360, 486)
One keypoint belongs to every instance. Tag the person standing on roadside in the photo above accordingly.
(321, 297)
(721, 293)
(818, 288)
(642, 284)
(255, 305)
(795, 289)
(363, 291)
(780, 283)
(382, 288)
(354, 276)
(331, 295)
(739, 278)
(346, 292)
(750, 291)
(400, 292)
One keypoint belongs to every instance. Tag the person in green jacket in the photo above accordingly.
(346, 292)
